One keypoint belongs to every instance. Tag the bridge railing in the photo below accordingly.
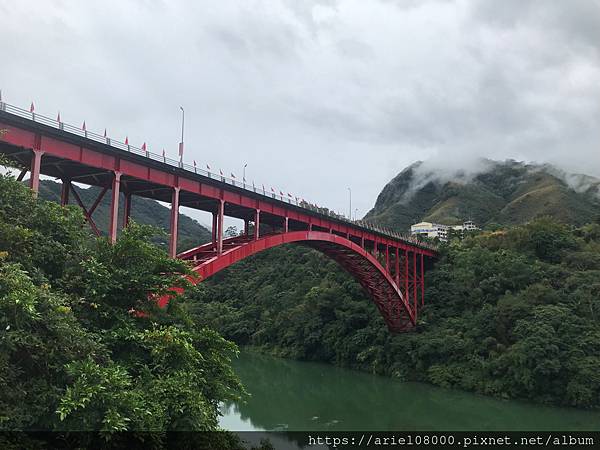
(292, 200)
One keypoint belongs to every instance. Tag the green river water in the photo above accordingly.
(299, 396)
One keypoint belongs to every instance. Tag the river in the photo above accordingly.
(290, 395)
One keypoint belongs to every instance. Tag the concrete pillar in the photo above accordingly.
(114, 207)
(256, 224)
(174, 222)
(214, 230)
(220, 218)
(64, 193)
(127, 209)
(36, 165)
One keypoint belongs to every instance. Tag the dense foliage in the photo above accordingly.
(83, 345)
(511, 313)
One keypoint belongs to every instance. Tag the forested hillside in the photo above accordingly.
(84, 346)
(512, 313)
(504, 193)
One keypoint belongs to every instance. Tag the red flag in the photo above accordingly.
(163, 152)
(289, 195)
(105, 132)
(208, 167)
(58, 117)
(194, 163)
(126, 140)
(32, 107)
(272, 190)
(83, 126)
(232, 175)
(221, 172)
(281, 193)
(144, 146)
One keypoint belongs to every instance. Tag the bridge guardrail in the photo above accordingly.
(292, 200)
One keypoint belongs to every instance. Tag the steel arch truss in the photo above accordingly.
(397, 295)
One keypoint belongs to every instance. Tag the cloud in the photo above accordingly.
(319, 95)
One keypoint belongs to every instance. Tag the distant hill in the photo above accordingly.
(143, 210)
(505, 193)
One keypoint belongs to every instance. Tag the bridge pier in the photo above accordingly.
(214, 231)
(64, 193)
(114, 207)
(174, 222)
(127, 209)
(256, 224)
(220, 213)
(36, 165)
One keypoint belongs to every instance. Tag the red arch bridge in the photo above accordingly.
(388, 265)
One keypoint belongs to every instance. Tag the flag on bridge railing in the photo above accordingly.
(289, 195)
(272, 190)
(194, 163)
(208, 167)
(105, 132)
(232, 175)
(281, 193)
(163, 153)
(32, 107)
(144, 146)
(126, 140)
(83, 126)
(221, 172)
(58, 117)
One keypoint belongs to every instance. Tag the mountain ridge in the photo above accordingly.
(504, 193)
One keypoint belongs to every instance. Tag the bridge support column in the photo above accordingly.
(36, 165)
(422, 281)
(127, 209)
(174, 222)
(415, 283)
(214, 230)
(220, 217)
(286, 224)
(114, 207)
(406, 274)
(387, 258)
(64, 192)
(397, 264)
(246, 227)
(257, 224)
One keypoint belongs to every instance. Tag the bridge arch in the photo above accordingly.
(396, 310)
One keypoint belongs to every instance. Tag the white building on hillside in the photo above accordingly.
(440, 231)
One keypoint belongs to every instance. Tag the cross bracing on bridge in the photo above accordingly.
(389, 266)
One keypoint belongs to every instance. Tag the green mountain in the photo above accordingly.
(143, 210)
(505, 193)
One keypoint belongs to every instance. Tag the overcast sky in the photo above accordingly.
(317, 95)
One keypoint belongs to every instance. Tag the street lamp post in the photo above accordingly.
(182, 125)
(355, 213)
(350, 210)
(244, 174)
